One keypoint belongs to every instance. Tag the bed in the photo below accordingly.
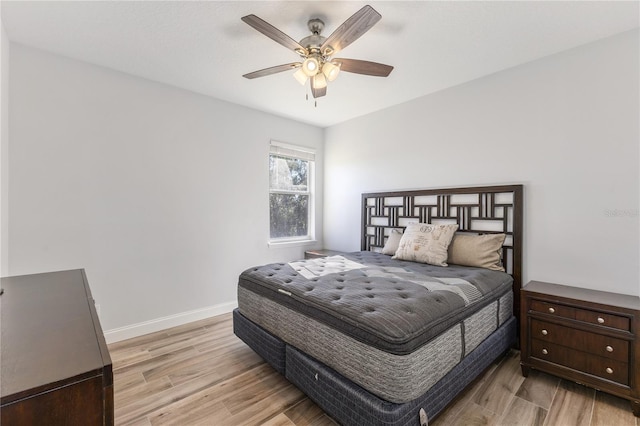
(391, 334)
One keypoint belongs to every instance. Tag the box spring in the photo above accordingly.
(349, 403)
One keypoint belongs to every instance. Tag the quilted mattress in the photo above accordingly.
(393, 327)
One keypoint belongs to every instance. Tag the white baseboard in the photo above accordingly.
(135, 330)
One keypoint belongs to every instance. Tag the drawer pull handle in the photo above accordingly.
(600, 320)
(551, 310)
(609, 349)
(609, 370)
(544, 351)
(545, 332)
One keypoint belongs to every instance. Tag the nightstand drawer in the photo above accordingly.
(597, 344)
(592, 317)
(553, 309)
(602, 319)
(605, 368)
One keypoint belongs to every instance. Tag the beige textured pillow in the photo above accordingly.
(482, 251)
(393, 241)
(425, 243)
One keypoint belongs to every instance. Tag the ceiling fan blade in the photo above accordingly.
(350, 30)
(318, 89)
(273, 33)
(273, 70)
(364, 67)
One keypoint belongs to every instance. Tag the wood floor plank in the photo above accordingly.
(223, 319)
(206, 411)
(207, 322)
(523, 413)
(323, 420)
(173, 342)
(305, 413)
(207, 402)
(202, 374)
(258, 391)
(149, 404)
(539, 388)
(609, 409)
(212, 405)
(136, 342)
(130, 394)
(129, 357)
(127, 379)
(572, 405)
(267, 408)
(143, 421)
(279, 420)
(217, 341)
(449, 416)
(498, 390)
(179, 364)
(159, 361)
(238, 360)
(473, 414)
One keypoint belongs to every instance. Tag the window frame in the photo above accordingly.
(282, 149)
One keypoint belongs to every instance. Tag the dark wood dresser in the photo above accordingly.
(587, 336)
(55, 367)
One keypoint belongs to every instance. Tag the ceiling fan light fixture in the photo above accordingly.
(330, 70)
(301, 76)
(319, 81)
(317, 50)
(310, 66)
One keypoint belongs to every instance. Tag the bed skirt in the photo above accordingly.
(349, 403)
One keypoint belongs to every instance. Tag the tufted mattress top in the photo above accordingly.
(393, 305)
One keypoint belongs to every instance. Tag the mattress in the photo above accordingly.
(396, 306)
(394, 328)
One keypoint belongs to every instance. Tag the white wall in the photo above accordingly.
(159, 193)
(566, 126)
(4, 146)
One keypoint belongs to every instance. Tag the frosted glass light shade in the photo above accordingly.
(310, 66)
(301, 76)
(330, 70)
(319, 81)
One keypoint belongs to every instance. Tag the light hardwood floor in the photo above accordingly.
(202, 374)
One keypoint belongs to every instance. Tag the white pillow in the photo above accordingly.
(393, 241)
(426, 243)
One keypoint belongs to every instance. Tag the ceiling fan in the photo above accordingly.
(316, 50)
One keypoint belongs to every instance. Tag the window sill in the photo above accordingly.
(291, 243)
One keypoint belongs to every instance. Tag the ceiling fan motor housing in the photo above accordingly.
(313, 42)
(315, 25)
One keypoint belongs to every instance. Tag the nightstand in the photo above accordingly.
(315, 254)
(587, 336)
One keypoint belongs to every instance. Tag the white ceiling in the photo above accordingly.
(205, 47)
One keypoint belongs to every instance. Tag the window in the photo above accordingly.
(291, 177)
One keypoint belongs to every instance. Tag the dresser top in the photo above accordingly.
(593, 296)
(49, 333)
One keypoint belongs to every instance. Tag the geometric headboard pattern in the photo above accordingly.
(478, 210)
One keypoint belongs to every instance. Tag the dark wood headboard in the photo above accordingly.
(479, 210)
